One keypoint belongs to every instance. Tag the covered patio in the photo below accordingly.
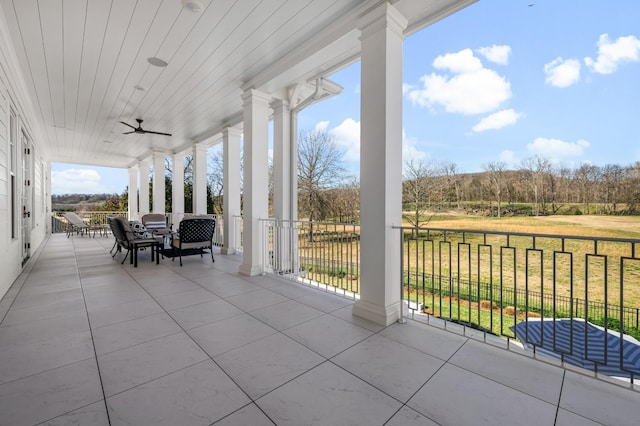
(86, 340)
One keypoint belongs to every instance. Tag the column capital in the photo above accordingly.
(134, 169)
(231, 132)
(255, 96)
(382, 16)
(279, 105)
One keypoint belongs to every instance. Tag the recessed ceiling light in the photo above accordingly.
(138, 87)
(192, 5)
(157, 62)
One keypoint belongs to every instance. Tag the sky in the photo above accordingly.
(500, 81)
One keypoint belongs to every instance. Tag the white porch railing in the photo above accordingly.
(322, 253)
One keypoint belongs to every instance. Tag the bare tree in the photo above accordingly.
(451, 174)
(534, 170)
(418, 187)
(495, 171)
(215, 179)
(319, 168)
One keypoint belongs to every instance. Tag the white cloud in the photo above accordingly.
(497, 54)
(321, 126)
(472, 89)
(556, 149)
(77, 181)
(562, 73)
(347, 135)
(611, 54)
(509, 158)
(409, 150)
(497, 120)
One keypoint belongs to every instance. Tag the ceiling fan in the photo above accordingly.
(140, 130)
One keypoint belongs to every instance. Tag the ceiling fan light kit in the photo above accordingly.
(157, 62)
(192, 5)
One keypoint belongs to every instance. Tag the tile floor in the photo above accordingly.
(85, 340)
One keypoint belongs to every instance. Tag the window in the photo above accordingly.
(13, 142)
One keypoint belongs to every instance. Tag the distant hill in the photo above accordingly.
(78, 201)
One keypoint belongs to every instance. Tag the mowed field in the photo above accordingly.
(590, 226)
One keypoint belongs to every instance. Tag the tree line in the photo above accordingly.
(538, 186)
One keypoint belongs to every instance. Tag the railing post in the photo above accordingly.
(402, 319)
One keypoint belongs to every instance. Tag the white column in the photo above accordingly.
(133, 192)
(380, 164)
(231, 188)
(144, 187)
(159, 196)
(177, 188)
(281, 160)
(256, 176)
(283, 194)
(200, 178)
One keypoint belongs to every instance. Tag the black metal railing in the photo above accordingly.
(324, 253)
(521, 285)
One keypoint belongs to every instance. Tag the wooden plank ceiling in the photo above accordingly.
(85, 65)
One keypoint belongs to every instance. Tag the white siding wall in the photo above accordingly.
(11, 248)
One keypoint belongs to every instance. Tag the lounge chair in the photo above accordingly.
(75, 224)
(195, 234)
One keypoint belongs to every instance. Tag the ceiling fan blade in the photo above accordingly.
(127, 124)
(128, 133)
(157, 133)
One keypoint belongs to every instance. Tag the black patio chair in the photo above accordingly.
(194, 235)
(125, 239)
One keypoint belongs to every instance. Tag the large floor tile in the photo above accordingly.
(204, 313)
(532, 377)
(455, 396)
(124, 334)
(135, 365)
(164, 286)
(327, 396)
(408, 417)
(27, 332)
(430, 340)
(346, 314)
(93, 414)
(123, 312)
(22, 360)
(40, 312)
(327, 335)
(231, 333)
(392, 367)
(262, 366)
(103, 300)
(185, 298)
(598, 401)
(324, 302)
(286, 314)
(249, 415)
(228, 286)
(42, 299)
(256, 299)
(50, 394)
(197, 395)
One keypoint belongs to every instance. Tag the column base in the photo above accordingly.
(383, 315)
(250, 270)
(228, 250)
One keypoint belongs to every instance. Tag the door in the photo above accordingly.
(26, 197)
